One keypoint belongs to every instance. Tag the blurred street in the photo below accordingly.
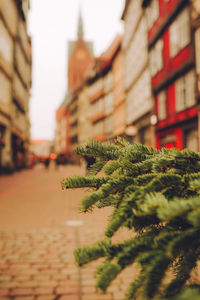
(40, 226)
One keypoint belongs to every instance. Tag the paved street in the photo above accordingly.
(38, 236)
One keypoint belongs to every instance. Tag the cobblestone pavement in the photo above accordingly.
(39, 229)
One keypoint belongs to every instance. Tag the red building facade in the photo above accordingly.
(173, 77)
(80, 57)
(62, 131)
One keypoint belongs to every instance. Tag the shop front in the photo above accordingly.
(183, 135)
(2, 144)
(18, 152)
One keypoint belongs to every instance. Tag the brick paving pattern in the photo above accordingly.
(37, 241)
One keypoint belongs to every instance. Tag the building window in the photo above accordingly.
(191, 139)
(162, 113)
(156, 58)
(97, 107)
(108, 82)
(96, 87)
(6, 43)
(185, 91)
(179, 32)
(5, 92)
(74, 139)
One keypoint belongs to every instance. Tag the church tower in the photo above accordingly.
(80, 55)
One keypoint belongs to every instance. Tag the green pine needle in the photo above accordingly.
(156, 194)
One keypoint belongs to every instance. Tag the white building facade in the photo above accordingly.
(137, 79)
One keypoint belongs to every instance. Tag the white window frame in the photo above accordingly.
(185, 91)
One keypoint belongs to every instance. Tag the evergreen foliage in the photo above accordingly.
(156, 194)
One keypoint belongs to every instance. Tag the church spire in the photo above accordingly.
(80, 26)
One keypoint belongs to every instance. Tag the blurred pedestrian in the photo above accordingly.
(46, 162)
(56, 161)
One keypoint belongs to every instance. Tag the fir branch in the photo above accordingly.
(122, 142)
(177, 208)
(161, 182)
(89, 200)
(131, 252)
(84, 255)
(97, 167)
(154, 193)
(186, 264)
(111, 200)
(191, 292)
(104, 150)
(162, 240)
(106, 274)
(194, 216)
(134, 287)
(152, 203)
(111, 167)
(114, 225)
(154, 275)
(184, 241)
(81, 182)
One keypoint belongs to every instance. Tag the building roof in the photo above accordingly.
(111, 50)
(103, 61)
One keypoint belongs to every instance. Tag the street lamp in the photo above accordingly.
(153, 120)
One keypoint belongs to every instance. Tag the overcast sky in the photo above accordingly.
(52, 23)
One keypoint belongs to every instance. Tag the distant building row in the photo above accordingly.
(15, 83)
(146, 85)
